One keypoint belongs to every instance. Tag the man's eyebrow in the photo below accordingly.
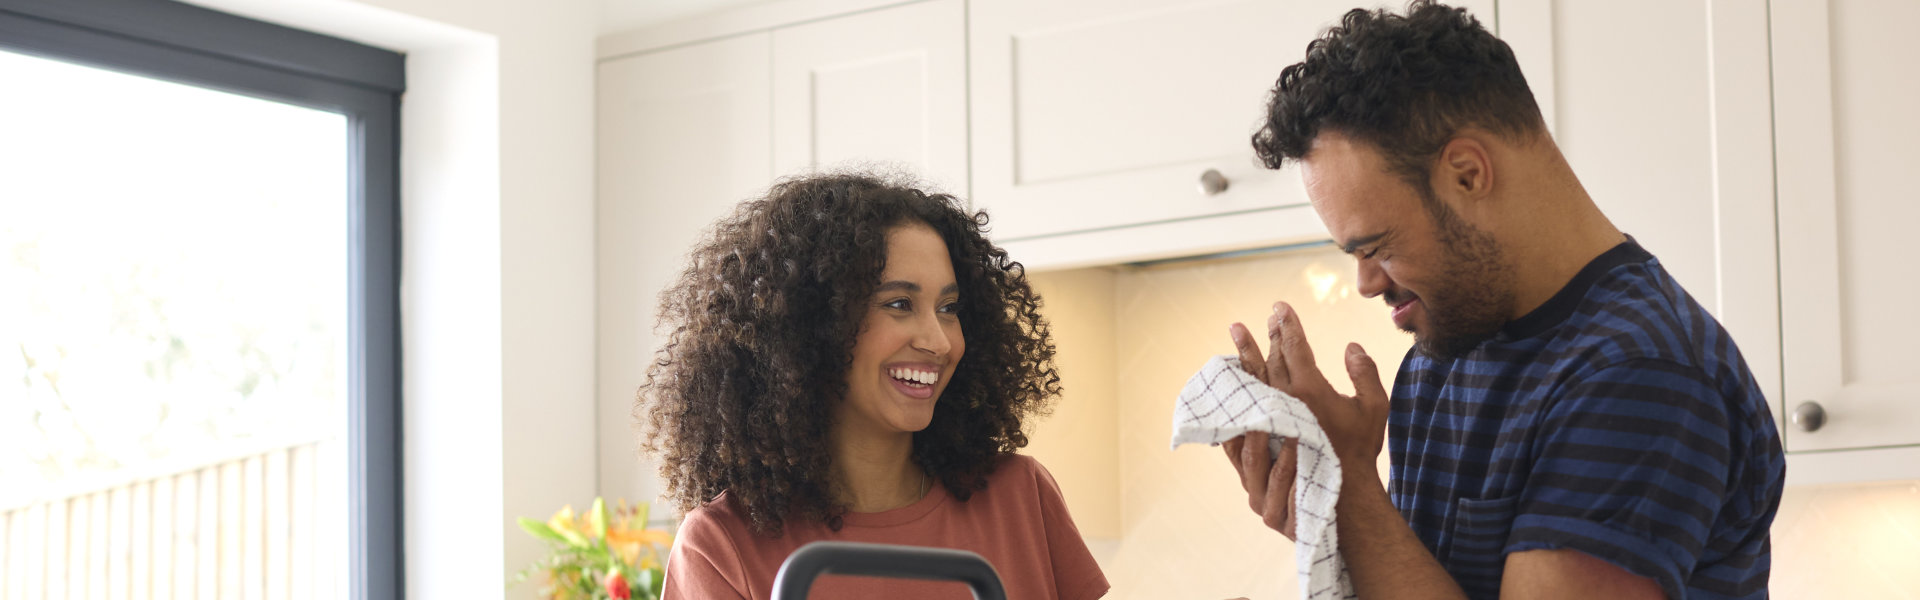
(1354, 244)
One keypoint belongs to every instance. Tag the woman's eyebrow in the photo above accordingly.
(914, 288)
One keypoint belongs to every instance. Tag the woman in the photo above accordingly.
(851, 359)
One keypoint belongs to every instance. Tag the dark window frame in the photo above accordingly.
(194, 45)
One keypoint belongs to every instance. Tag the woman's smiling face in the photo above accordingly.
(910, 340)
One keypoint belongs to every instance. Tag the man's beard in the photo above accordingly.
(1473, 296)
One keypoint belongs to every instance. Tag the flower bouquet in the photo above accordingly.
(600, 555)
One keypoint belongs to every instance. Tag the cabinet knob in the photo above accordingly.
(1809, 416)
(1212, 182)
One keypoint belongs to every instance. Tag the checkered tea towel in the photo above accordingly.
(1221, 402)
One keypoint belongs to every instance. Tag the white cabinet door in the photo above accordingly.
(1095, 115)
(1845, 86)
(1671, 136)
(683, 137)
(882, 87)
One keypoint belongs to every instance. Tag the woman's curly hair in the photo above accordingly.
(763, 321)
(1405, 84)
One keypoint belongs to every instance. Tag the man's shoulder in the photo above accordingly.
(1638, 313)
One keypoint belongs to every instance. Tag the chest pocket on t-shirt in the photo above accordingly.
(1478, 534)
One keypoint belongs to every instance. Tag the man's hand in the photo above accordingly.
(1268, 479)
(1356, 426)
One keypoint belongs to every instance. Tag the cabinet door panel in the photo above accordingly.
(1090, 115)
(1635, 121)
(886, 87)
(1844, 87)
(683, 136)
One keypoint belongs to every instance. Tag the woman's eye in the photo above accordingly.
(900, 304)
(950, 308)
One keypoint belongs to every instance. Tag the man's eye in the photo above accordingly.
(1369, 254)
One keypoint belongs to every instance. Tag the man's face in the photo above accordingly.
(1447, 281)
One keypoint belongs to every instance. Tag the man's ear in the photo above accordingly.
(1465, 168)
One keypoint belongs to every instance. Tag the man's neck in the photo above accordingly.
(1562, 232)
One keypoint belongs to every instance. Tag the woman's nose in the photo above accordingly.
(931, 336)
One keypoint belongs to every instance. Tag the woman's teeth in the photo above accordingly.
(910, 375)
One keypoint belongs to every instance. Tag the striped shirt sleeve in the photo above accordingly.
(1631, 468)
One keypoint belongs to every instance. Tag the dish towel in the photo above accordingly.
(1223, 401)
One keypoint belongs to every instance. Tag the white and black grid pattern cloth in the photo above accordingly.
(1221, 402)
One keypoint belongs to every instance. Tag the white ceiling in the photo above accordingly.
(625, 15)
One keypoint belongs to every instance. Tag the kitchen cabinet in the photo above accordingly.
(883, 87)
(1099, 125)
(1844, 87)
(684, 134)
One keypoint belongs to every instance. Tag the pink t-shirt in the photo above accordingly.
(1019, 523)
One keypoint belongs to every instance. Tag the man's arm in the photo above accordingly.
(1384, 557)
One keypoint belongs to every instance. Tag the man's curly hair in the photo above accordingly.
(1404, 84)
(763, 322)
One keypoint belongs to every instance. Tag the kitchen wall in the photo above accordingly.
(1176, 524)
(497, 278)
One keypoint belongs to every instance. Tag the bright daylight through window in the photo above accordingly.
(173, 336)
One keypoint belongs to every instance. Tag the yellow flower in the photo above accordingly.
(563, 521)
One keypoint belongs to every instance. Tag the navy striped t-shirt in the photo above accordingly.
(1617, 419)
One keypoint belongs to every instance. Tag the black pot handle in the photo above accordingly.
(885, 560)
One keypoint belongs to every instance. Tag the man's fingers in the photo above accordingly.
(1289, 456)
(1255, 462)
(1250, 359)
(1365, 374)
(1274, 510)
(1276, 365)
(1232, 447)
(1277, 510)
(1290, 343)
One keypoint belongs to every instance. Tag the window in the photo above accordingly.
(199, 351)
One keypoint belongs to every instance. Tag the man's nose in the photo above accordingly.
(1373, 279)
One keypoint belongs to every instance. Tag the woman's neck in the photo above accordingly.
(874, 472)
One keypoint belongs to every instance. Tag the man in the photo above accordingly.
(1570, 423)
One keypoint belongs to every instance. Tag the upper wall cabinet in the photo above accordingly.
(683, 136)
(1090, 116)
(882, 87)
(1844, 86)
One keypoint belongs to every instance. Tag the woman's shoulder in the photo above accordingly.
(1016, 463)
(1013, 471)
(717, 522)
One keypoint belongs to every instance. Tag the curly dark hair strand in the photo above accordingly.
(1406, 84)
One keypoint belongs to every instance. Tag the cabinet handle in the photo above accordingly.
(1809, 416)
(1212, 182)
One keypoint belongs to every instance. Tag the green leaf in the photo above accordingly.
(647, 585)
(541, 530)
(640, 515)
(597, 518)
